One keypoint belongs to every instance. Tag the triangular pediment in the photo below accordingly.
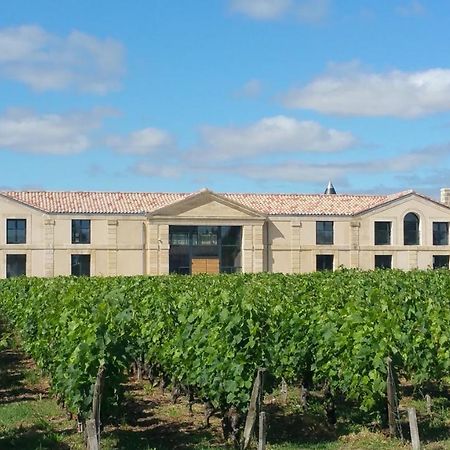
(410, 199)
(206, 204)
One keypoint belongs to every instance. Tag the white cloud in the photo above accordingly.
(261, 9)
(45, 61)
(413, 8)
(158, 170)
(141, 142)
(57, 134)
(348, 90)
(313, 11)
(270, 135)
(250, 89)
(294, 171)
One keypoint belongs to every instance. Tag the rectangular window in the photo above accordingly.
(81, 265)
(16, 231)
(440, 233)
(383, 261)
(382, 233)
(16, 265)
(324, 262)
(324, 232)
(440, 261)
(81, 231)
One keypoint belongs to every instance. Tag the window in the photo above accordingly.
(382, 233)
(411, 229)
(81, 265)
(440, 233)
(324, 232)
(16, 265)
(81, 231)
(16, 231)
(324, 262)
(440, 261)
(383, 261)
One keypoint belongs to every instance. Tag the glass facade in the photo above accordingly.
(192, 245)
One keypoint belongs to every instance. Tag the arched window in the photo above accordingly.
(411, 234)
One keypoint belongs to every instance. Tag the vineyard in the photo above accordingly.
(208, 335)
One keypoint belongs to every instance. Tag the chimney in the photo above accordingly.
(445, 196)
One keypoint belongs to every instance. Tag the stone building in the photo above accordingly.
(118, 233)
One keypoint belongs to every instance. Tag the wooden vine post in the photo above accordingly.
(93, 424)
(415, 440)
(262, 431)
(254, 408)
(390, 397)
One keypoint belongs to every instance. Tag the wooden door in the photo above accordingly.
(205, 265)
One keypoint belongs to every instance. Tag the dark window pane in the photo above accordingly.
(16, 231)
(231, 258)
(440, 261)
(383, 262)
(411, 229)
(440, 233)
(81, 231)
(231, 236)
(382, 233)
(324, 262)
(211, 251)
(81, 265)
(207, 236)
(179, 260)
(16, 265)
(324, 232)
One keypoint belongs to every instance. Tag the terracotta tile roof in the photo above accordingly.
(312, 204)
(141, 203)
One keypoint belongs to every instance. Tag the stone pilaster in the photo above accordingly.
(252, 248)
(152, 246)
(49, 244)
(295, 246)
(354, 243)
(163, 240)
(112, 247)
(412, 259)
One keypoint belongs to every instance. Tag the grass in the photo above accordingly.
(30, 419)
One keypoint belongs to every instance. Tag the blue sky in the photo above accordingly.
(233, 95)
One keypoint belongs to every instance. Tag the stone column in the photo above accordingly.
(112, 247)
(49, 244)
(354, 244)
